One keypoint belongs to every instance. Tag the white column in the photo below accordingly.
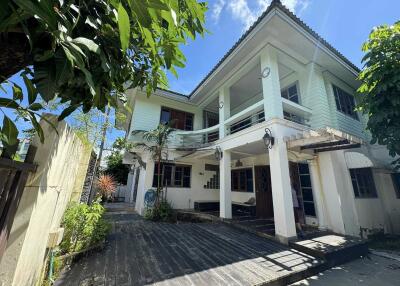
(132, 187)
(225, 199)
(145, 183)
(285, 228)
(319, 200)
(270, 84)
(224, 104)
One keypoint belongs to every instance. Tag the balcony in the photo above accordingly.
(252, 115)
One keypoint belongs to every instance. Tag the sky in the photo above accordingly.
(345, 24)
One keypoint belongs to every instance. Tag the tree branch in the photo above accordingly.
(14, 54)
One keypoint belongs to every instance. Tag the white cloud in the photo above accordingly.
(217, 9)
(241, 11)
(246, 14)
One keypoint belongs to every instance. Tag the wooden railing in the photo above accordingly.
(13, 177)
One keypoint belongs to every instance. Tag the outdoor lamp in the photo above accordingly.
(268, 139)
(218, 153)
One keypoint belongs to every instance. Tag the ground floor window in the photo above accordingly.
(242, 180)
(396, 183)
(363, 183)
(177, 176)
(306, 190)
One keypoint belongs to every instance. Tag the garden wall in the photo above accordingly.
(61, 162)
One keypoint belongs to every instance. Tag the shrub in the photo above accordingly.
(84, 226)
(160, 212)
(106, 186)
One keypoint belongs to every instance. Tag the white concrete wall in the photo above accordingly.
(381, 213)
(42, 204)
(390, 209)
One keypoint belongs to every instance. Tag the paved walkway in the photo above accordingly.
(140, 252)
(369, 271)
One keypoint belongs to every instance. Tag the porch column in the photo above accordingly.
(319, 199)
(285, 228)
(132, 186)
(224, 105)
(145, 183)
(270, 84)
(225, 199)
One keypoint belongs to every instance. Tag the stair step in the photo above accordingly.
(335, 249)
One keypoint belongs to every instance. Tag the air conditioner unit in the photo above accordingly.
(55, 237)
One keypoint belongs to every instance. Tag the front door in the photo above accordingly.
(264, 205)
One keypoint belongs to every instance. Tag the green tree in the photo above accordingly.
(114, 162)
(379, 94)
(157, 145)
(85, 54)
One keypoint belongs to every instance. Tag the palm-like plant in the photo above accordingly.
(157, 146)
(106, 186)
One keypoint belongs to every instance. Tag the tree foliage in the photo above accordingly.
(157, 145)
(87, 53)
(380, 90)
(115, 167)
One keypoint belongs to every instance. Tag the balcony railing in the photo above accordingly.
(196, 139)
(246, 118)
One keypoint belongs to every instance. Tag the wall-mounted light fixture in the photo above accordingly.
(268, 139)
(218, 153)
(238, 163)
(220, 104)
(266, 72)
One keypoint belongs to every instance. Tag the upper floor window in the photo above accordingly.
(344, 102)
(291, 93)
(363, 183)
(396, 183)
(178, 119)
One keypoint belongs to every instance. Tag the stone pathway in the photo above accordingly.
(140, 252)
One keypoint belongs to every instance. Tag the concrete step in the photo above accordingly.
(334, 249)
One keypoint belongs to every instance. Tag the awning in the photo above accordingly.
(322, 140)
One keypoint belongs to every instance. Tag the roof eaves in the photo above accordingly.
(173, 92)
(276, 4)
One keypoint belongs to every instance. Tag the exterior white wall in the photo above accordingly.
(390, 204)
(147, 111)
(375, 214)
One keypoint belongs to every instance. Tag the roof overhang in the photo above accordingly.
(123, 112)
(282, 29)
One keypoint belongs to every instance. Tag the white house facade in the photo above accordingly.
(279, 80)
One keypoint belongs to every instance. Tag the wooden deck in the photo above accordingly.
(140, 252)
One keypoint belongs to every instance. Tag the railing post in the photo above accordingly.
(224, 106)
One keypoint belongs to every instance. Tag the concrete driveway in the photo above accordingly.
(369, 271)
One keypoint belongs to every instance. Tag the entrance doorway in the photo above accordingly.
(264, 204)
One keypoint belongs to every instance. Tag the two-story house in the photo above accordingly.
(275, 114)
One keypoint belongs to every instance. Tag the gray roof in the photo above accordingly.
(274, 4)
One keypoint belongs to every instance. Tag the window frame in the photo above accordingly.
(186, 127)
(368, 183)
(286, 89)
(342, 100)
(172, 178)
(247, 177)
(396, 184)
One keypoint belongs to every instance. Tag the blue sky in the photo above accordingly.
(343, 23)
